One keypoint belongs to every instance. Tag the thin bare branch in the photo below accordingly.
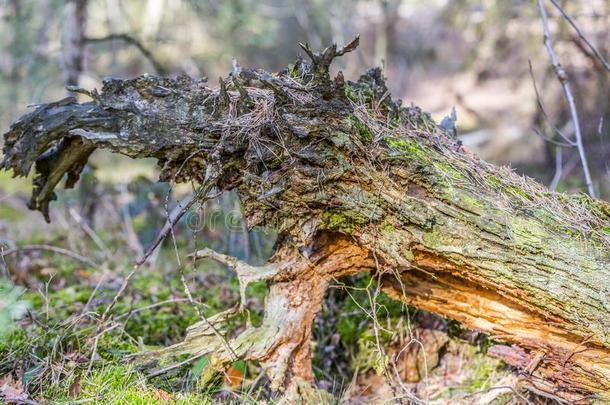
(558, 168)
(61, 251)
(565, 84)
(549, 140)
(582, 36)
(568, 141)
(131, 41)
(204, 318)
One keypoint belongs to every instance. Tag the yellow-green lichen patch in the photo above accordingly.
(361, 206)
(339, 222)
(448, 170)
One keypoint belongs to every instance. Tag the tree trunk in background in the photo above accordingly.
(73, 64)
(17, 50)
(355, 183)
(72, 40)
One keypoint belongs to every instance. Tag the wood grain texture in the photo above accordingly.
(323, 160)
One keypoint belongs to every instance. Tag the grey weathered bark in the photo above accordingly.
(353, 182)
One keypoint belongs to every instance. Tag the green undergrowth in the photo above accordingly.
(346, 321)
(120, 384)
(51, 348)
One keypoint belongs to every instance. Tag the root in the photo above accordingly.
(282, 342)
(245, 273)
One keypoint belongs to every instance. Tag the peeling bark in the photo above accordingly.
(354, 182)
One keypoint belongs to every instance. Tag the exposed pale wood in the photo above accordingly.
(328, 162)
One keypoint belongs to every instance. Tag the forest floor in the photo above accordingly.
(54, 348)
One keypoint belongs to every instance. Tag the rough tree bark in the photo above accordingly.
(354, 183)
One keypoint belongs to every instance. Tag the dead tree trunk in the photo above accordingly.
(354, 183)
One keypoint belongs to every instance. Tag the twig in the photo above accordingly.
(160, 237)
(131, 236)
(95, 344)
(172, 219)
(216, 332)
(95, 290)
(501, 387)
(54, 249)
(132, 41)
(117, 295)
(568, 141)
(173, 366)
(88, 230)
(3, 265)
(151, 306)
(558, 168)
(565, 84)
(575, 350)
(581, 35)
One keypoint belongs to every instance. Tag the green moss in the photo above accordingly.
(388, 228)
(361, 128)
(360, 94)
(348, 328)
(485, 368)
(405, 145)
(466, 201)
(493, 181)
(338, 222)
(293, 70)
(61, 302)
(435, 238)
(528, 232)
(14, 344)
(449, 170)
(118, 384)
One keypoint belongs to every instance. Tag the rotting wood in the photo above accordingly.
(333, 163)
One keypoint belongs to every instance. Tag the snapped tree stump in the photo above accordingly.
(353, 182)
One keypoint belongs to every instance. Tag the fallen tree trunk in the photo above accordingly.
(354, 183)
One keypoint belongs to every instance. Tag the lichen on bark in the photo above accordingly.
(354, 182)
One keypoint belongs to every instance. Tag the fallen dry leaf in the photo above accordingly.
(12, 390)
(233, 377)
(161, 395)
(75, 388)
